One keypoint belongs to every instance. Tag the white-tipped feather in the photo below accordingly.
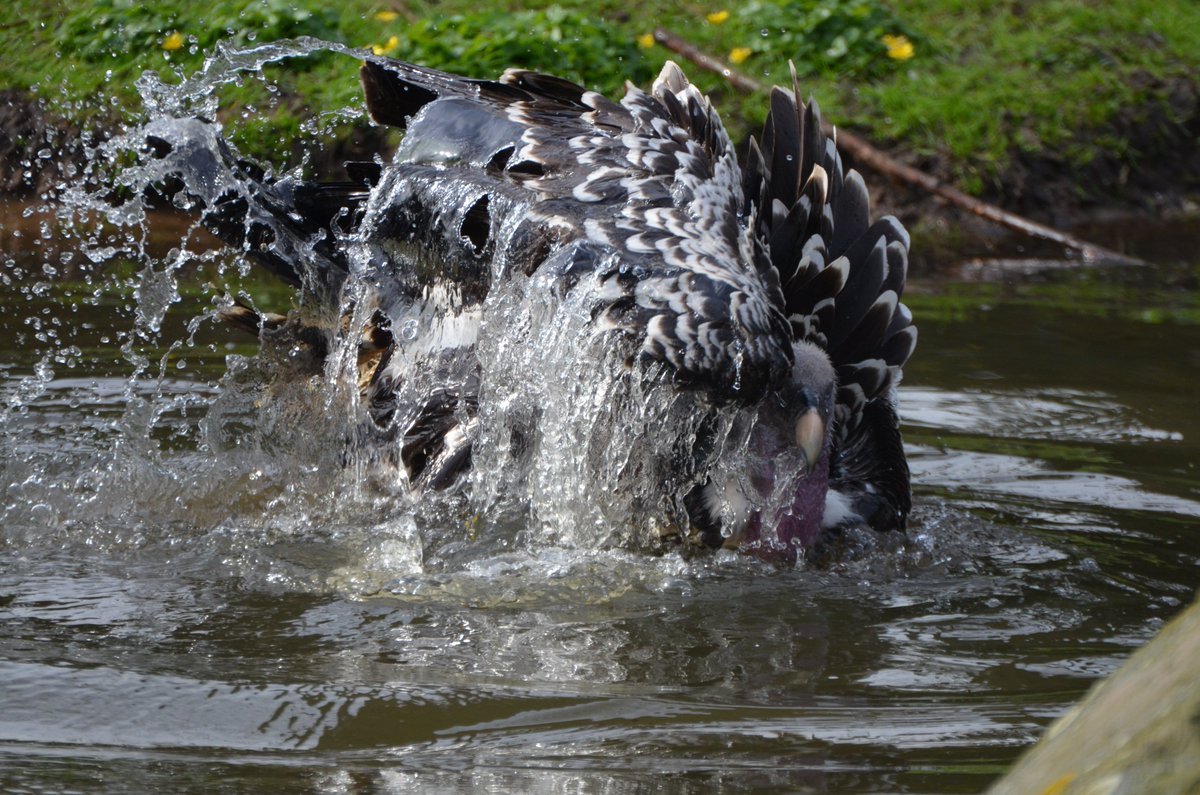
(714, 275)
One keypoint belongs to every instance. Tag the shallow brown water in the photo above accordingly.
(187, 609)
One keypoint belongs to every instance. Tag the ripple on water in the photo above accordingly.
(1044, 414)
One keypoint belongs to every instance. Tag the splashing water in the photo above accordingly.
(205, 532)
(570, 448)
(572, 445)
(197, 433)
(569, 451)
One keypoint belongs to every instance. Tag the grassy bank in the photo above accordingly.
(975, 91)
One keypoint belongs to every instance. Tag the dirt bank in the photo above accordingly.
(37, 146)
(1146, 161)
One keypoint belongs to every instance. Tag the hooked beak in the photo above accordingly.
(810, 436)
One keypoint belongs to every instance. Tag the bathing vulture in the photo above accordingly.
(761, 289)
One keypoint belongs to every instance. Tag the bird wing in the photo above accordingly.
(644, 197)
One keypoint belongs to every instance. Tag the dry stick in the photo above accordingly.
(867, 154)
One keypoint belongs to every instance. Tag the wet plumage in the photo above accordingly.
(761, 288)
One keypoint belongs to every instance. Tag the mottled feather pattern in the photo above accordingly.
(664, 188)
(713, 273)
(730, 266)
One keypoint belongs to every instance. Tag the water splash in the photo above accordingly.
(192, 535)
(281, 441)
(167, 431)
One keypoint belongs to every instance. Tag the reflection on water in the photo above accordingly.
(1051, 415)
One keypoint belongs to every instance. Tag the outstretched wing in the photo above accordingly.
(842, 279)
(643, 197)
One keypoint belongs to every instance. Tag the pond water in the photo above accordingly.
(188, 600)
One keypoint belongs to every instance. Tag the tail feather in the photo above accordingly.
(843, 278)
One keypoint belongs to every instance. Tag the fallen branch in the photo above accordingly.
(863, 152)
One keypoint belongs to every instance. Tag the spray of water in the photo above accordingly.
(574, 447)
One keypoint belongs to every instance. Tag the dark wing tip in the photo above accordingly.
(871, 472)
(391, 99)
(547, 86)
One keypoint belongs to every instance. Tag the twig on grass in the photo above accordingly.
(878, 160)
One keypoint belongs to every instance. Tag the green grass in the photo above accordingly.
(1002, 76)
(985, 80)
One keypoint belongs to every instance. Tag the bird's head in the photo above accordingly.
(789, 451)
(770, 499)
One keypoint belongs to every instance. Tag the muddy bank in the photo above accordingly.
(37, 146)
(1146, 162)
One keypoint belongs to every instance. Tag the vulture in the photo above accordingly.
(567, 295)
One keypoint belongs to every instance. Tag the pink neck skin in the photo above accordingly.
(795, 527)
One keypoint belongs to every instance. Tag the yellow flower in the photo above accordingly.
(645, 41)
(717, 17)
(173, 42)
(898, 47)
(740, 54)
(387, 16)
(384, 49)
